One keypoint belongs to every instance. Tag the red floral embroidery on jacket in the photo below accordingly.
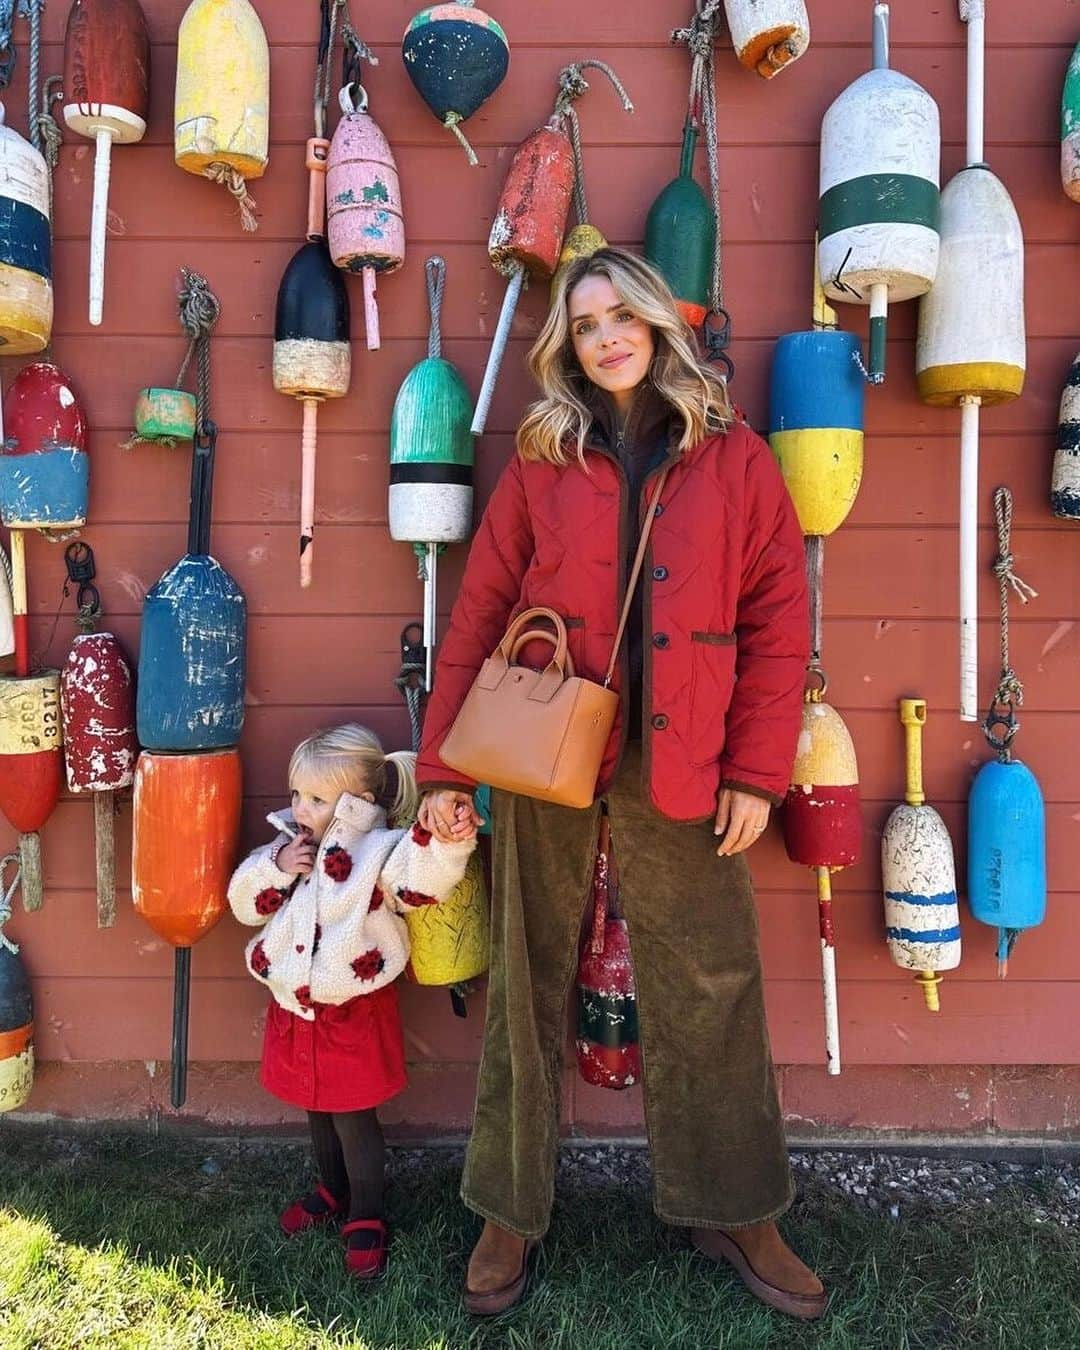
(370, 964)
(408, 897)
(270, 900)
(376, 900)
(336, 863)
(421, 836)
(259, 961)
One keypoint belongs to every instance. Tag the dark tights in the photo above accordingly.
(350, 1154)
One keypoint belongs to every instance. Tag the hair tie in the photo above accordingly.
(389, 793)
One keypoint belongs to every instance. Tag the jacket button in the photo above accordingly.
(661, 640)
(660, 721)
(659, 574)
(659, 509)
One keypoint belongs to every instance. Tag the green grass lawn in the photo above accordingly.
(124, 1241)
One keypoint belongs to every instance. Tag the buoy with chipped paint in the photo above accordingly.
(456, 57)
(816, 398)
(822, 823)
(365, 228)
(31, 766)
(222, 109)
(186, 827)
(680, 235)
(16, 1008)
(44, 465)
(1070, 128)
(97, 699)
(768, 35)
(527, 232)
(879, 202)
(918, 874)
(26, 294)
(607, 1040)
(107, 99)
(1065, 482)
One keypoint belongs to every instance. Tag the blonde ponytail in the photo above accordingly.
(402, 810)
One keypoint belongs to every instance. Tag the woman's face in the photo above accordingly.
(612, 345)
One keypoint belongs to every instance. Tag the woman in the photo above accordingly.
(710, 679)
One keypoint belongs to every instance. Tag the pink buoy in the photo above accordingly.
(365, 228)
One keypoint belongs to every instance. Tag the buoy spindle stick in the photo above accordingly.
(105, 859)
(308, 443)
(181, 1000)
(33, 877)
(828, 972)
(371, 309)
(973, 12)
(879, 311)
(880, 37)
(431, 564)
(498, 349)
(98, 218)
(19, 616)
(913, 715)
(969, 579)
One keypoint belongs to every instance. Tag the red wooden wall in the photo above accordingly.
(1000, 1056)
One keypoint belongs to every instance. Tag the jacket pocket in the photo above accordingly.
(712, 683)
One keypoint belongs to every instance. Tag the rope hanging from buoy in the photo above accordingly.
(6, 895)
(572, 84)
(1009, 693)
(699, 37)
(199, 311)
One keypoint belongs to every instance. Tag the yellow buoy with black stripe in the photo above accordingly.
(222, 110)
(26, 297)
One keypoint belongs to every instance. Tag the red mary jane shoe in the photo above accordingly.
(297, 1219)
(368, 1261)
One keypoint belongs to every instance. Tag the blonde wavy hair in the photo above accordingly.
(350, 758)
(561, 417)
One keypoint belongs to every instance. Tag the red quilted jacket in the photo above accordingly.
(725, 612)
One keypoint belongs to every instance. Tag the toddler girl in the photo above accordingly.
(330, 891)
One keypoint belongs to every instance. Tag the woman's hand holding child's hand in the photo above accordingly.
(449, 815)
(297, 857)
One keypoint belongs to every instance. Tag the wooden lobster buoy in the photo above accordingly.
(607, 1041)
(107, 93)
(1070, 128)
(164, 415)
(97, 697)
(450, 942)
(1065, 483)
(816, 401)
(918, 874)
(456, 56)
(680, 236)
(879, 202)
(364, 224)
(822, 824)
(768, 34)
(186, 827)
(26, 297)
(31, 766)
(527, 232)
(582, 241)
(44, 467)
(16, 1011)
(192, 648)
(222, 110)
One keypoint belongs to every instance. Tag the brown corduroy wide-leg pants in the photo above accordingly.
(715, 1131)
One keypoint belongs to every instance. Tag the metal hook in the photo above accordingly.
(350, 103)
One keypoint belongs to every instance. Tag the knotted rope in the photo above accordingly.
(231, 179)
(5, 899)
(199, 311)
(572, 84)
(329, 14)
(700, 36)
(1009, 692)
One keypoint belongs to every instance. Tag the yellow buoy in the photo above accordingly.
(222, 113)
(450, 941)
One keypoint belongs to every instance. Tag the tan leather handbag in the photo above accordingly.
(541, 733)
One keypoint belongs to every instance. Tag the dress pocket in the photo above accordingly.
(712, 683)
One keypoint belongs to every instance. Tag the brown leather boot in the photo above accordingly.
(767, 1265)
(498, 1271)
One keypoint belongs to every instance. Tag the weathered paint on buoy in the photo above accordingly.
(44, 466)
(879, 203)
(971, 323)
(582, 241)
(164, 415)
(312, 357)
(450, 942)
(456, 56)
(768, 34)
(97, 694)
(822, 818)
(680, 236)
(918, 874)
(1065, 483)
(1070, 128)
(31, 737)
(26, 297)
(16, 1029)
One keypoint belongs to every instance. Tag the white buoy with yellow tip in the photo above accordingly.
(222, 109)
(970, 348)
(918, 874)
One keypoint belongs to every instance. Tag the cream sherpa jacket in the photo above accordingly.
(338, 932)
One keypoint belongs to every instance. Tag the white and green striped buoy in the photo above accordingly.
(1070, 128)
(879, 201)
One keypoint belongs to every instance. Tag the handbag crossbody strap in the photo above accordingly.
(635, 573)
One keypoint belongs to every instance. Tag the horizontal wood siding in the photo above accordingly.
(332, 652)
